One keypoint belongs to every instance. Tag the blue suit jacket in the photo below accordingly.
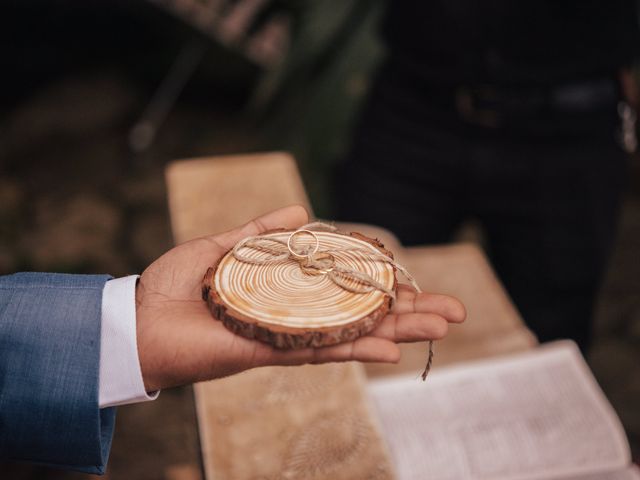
(49, 366)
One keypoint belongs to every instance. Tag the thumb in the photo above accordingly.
(288, 217)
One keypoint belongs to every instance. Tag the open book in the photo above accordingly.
(536, 415)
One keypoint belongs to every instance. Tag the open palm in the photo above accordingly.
(179, 342)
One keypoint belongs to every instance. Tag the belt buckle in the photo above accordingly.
(466, 100)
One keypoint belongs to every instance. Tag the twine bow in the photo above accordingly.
(315, 261)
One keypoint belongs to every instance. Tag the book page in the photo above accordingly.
(631, 473)
(534, 415)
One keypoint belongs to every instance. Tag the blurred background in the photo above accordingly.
(97, 98)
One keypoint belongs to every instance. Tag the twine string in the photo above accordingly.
(315, 261)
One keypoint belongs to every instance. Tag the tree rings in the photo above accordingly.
(293, 302)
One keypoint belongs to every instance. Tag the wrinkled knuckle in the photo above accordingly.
(255, 226)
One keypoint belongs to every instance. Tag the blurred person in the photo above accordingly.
(504, 112)
(74, 346)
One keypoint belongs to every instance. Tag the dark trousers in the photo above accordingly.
(545, 189)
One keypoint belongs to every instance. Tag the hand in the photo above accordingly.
(179, 342)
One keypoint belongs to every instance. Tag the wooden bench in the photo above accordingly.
(275, 421)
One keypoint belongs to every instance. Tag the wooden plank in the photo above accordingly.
(309, 422)
(209, 195)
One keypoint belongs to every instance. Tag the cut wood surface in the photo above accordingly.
(288, 306)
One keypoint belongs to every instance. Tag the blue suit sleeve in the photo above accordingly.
(49, 367)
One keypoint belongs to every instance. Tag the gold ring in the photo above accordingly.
(307, 254)
(320, 264)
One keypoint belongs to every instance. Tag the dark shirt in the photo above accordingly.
(512, 42)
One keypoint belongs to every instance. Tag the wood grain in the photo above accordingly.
(282, 305)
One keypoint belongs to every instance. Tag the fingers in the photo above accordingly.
(415, 317)
(364, 349)
(379, 346)
(410, 301)
(412, 327)
(287, 217)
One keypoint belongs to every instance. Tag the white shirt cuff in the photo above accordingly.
(120, 375)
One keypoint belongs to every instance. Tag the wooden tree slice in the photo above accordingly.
(285, 306)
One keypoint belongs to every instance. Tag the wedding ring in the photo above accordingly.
(307, 253)
(319, 264)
